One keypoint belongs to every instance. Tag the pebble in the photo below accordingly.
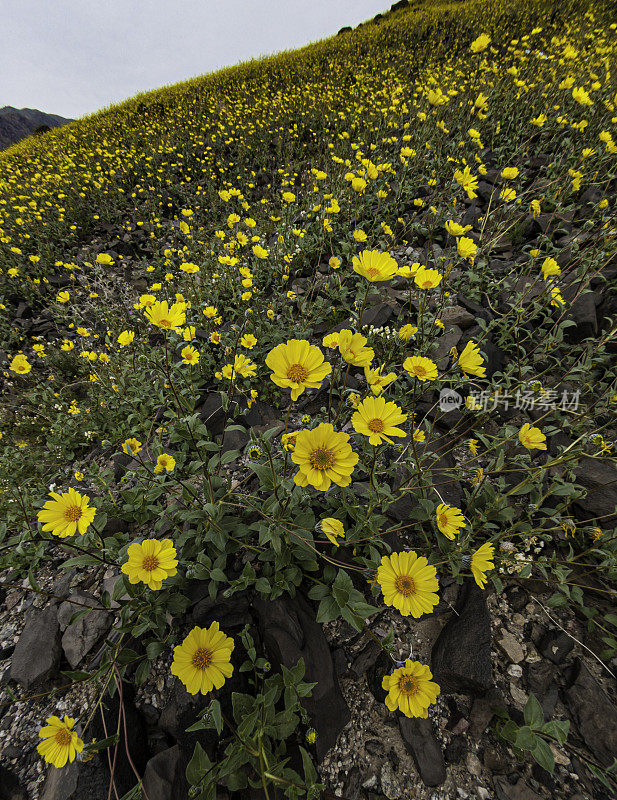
(515, 670)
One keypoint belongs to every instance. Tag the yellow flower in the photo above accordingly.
(535, 208)
(374, 265)
(470, 360)
(581, 96)
(419, 435)
(408, 583)
(376, 380)
(323, 457)
(508, 194)
(151, 561)
(125, 338)
(332, 528)
(248, 341)
(359, 235)
(289, 197)
(335, 262)
(406, 332)
(427, 278)
(449, 520)
(202, 661)
(164, 462)
(454, 229)
(60, 742)
(189, 268)
(377, 419)
(167, 317)
(63, 297)
(481, 43)
(131, 446)
(352, 347)
(509, 173)
(411, 689)
(556, 297)
(244, 366)
(190, 355)
(66, 514)
(358, 185)
(210, 312)
(532, 438)
(104, 258)
(482, 562)
(20, 364)
(466, 248)
(421, 368)
(288, 440)
(550, 267)
(297, 365)
(188, 334)
(472, 444)
(260, 252)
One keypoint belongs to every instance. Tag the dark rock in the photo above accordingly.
(37, 653)
(455, 749)
(378, 315)
(495, 760)
(504, 790)
(79, 638)
(339, 658)
(120, 462)
(583, 313)
(232, 612)
(179, 713)
(421, 743)
(10, 788)
(212, 414)
(461, 656)
(594, 713)
(346, 29)
(78, 781)
(555, 645)
(290, 632)
(365, 659)
(234, 440)
(540, 678)
(165, 778)
(483, 711)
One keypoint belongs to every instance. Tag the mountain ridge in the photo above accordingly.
(18, 123)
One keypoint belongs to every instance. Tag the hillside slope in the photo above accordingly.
(308, 482)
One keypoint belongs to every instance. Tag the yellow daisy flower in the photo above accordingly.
(66, 514)
(377, 419)
(449, 520)
(131, 446)
(375, 266)
(376, 380)
(532, 438)
(332, 528)
(60, 742)
(323, 457)
(421, 368)
(190, 355)
(408, 583)
(164, 463)
(20, 364)
(352, 347)
(482, 562)
(165, 316)
(297, 365)
(202, 661)
(151, 561)
(411, 689)
(427, 278)
(470, 361)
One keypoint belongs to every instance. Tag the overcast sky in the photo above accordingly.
(73, 57)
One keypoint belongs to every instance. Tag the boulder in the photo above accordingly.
(461, 656)
(79, 638)
(165, 778)
(594, 713)
(37, 653)
(421, 743)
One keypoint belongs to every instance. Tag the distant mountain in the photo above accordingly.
(17, 123)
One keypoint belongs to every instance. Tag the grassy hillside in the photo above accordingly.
(439, 183)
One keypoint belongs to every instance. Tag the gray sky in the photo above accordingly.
(73, 57)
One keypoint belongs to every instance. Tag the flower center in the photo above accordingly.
(420, 370)
(150, 563)
(443, 519)
(63, 737)
(405, 585)
(376, 425)
(372, 271)
(164, 323)
(297, 373)
(408, 685)
(322, 458)
(72, 513)
(202, 658)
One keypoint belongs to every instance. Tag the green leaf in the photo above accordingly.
(217, 716)
(543, 755)
(142, 672)
(310, 773)
(534, 716)
(198, 765)
(328, 610)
